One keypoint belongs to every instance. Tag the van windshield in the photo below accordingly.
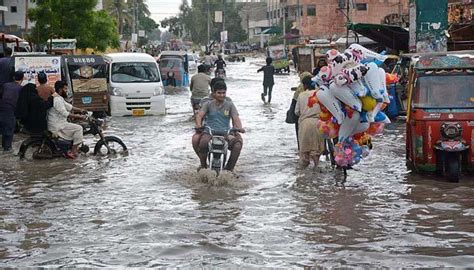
(135, 72)
(171, 63)
(444, 92)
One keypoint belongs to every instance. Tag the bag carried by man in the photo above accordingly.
(291, 117)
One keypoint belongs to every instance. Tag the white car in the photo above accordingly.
(192, 62)
(135, 85)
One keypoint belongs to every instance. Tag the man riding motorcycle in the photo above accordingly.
(57, 120)
(220, 64)
(199, 87)
(217, 114)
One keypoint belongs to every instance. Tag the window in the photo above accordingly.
(311, 10)
(362, 6)
(279, 14)
(13, 9)
(129, 72)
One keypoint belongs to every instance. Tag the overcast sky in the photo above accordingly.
(161, 9)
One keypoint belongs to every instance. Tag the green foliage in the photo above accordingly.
(275, 40)
(73, 19)
(192, 21)
(122, 11)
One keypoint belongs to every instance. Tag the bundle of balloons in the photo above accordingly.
(352, 95)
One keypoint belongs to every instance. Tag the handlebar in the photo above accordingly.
(231, 130)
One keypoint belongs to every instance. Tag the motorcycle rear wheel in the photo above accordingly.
(35, 151)
(115, 144)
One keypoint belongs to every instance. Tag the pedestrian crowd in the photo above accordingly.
(36, 108)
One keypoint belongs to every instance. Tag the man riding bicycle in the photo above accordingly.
(217, 114)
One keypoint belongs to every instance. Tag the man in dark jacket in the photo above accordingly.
(11, 91)
(31, 109)
(268, 82)
(5, 70)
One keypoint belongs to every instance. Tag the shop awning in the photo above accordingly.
(272, 30)
(391, 36)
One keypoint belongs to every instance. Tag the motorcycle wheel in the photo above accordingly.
(34, 151)
(215, 161)
(115, 144)
(453, 168)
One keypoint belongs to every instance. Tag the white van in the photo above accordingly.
(135, 85)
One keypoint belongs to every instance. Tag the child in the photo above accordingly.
(268, 82)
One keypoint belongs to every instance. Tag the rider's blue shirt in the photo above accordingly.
(218, 115)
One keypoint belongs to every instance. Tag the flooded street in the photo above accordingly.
(152, 209)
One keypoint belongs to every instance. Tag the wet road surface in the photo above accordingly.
(152, 209)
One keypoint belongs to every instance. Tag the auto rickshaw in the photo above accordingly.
(87, 78)
(174, 69)
(440, 114)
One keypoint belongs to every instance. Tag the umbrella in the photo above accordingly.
(290, 36)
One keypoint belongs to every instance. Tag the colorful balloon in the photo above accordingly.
(331, 103)
(368, 103)
(367, 54)
(346, 96)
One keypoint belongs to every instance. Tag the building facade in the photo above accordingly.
(327, 18)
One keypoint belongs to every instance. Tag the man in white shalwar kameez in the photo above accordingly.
(58, 120)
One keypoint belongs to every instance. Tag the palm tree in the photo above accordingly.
(119, 9)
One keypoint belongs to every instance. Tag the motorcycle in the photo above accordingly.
(218, 146)
(47, 146)
(220, 73)
(449, 151)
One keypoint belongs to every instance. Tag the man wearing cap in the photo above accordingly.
(11, 91)
(44, 90)
(57, 120)
(217, 114)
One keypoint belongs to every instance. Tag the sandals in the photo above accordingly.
(70, 155)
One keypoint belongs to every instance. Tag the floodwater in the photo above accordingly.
(152, 209)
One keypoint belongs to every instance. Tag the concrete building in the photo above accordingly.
(326, 19)
(14, 15)
(254, 19)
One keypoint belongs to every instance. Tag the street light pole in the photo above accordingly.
(208, 27)
(284, 23)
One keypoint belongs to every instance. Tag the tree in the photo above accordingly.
(73, 19)
(192, 20)
(124, 11)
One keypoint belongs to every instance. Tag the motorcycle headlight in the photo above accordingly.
(116, 91)
(170, 74)
(451, 130)
(158, 91)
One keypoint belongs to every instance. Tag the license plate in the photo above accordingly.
(86, 100)
(138, 112)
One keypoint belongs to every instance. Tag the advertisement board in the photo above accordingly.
(32, 65)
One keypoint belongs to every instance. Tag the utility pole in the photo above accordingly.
(133, 16)
(208, 27)
(284, 23)
(26, 15)
(348, 22)
(3, 14)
